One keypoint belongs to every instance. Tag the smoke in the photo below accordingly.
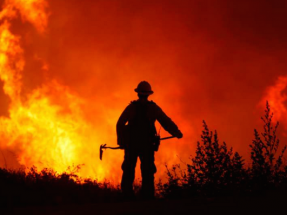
(211, 60)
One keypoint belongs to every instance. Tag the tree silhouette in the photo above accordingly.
(266, 168)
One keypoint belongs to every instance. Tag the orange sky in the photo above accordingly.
(211, 60)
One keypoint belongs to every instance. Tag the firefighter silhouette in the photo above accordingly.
(137, 134)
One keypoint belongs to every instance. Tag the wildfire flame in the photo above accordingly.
(46, 128)
(277, 98)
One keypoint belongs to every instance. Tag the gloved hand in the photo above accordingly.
(179, 134)
(121, 144)
(122, 147)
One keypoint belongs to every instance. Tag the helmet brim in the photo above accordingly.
(143, 92)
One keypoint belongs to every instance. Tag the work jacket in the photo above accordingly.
(136, 125)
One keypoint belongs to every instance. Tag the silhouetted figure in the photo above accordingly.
(136, 133)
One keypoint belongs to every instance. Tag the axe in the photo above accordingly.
(104, 146)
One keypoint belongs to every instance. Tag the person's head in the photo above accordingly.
(144, 90)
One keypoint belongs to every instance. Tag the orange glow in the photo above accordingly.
(33, 11)
(277, 98)
(11, 61)
(46, 128)
(68, 70)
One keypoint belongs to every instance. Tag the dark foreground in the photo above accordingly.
(215, 170)
(267, 204)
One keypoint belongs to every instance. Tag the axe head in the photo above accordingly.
(101, 150)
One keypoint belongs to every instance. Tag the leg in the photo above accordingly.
(128, 176)
(148, 169)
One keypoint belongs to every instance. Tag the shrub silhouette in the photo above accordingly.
(214, 168)
(214, 164)
(266, 168)
(177, 185)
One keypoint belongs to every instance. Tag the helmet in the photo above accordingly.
(144, 88)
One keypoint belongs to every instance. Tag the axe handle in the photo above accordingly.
(165, 138)
(107, 147)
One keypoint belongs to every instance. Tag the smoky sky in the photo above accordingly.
(210, 60)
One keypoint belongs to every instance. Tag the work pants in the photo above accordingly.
(148, 169)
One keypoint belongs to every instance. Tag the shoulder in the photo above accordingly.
(130, 107)
(133, 104)
(136, 103)
(152, 103)
(154, 106)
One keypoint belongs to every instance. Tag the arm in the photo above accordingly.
(168, 124)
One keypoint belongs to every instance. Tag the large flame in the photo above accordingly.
(45, 128)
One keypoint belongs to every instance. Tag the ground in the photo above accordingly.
(267, 204)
